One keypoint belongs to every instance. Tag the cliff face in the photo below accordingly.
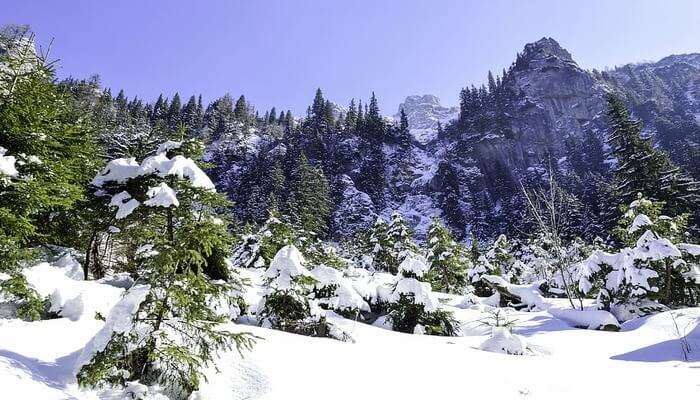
(545, 112)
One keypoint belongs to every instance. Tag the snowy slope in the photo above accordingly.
(643, 361)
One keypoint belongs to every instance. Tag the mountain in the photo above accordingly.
(425, 113)
(542, 115)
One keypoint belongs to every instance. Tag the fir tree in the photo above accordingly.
(448, 260)
(309, 203)
(47, 153)
(175, 332)
(642, 169)
(399, 239)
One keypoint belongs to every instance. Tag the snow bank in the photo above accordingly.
(588, 319)
(71, 298)
(533, 299)
(119, 320)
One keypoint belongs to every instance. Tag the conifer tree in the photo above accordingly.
(309, 203)
(400, 242)
(48, 151)
(169, 205)
(413, 307)
(643, 169)
(447, 259)
(378, 245)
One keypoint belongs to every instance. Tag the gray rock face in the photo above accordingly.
(424, 112)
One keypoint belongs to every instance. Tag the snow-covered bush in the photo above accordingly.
(413, 308)
(647, 275)
(256, 250)
(335, 292)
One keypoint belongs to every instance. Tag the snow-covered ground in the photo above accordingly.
(642, 361)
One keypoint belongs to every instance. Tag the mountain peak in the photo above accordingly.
(546, 48)
(424, 112)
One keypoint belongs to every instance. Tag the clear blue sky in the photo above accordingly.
(278, 52)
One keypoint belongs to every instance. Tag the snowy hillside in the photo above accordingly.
(37, 359)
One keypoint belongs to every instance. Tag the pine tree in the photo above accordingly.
(241, 111)
(309, 203)
(413, 307)
(48, 151)
(174, 118)
(174, 330)
(373, 167)
(642, 169)
(448, 260)
(399, 239)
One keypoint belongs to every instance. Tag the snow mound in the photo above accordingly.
(70, 298)
(287, 264)
(503, 341)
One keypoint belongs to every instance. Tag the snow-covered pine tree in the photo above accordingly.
(498, 260)
(309, 202)
(400, 242)
(174, 328)
(448, 260)
(256, 250)
(335, 292)
(413, 307)
(378, 248)
(285, 305)
(644, 216)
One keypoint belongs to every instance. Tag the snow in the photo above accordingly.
(167, 146)
(503, 341)
(123, 169)
(71, 298)
(640, 221)
(161, 196)
(420, 291)
(345, 296)
(119, 320)
(692, 249)
(284, 365)
(7, 164)
(286, 265)
(415, 264)
(124, 203)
